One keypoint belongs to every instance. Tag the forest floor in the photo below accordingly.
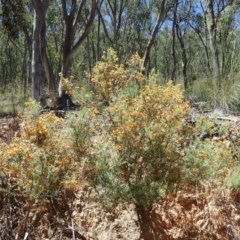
(190, 213)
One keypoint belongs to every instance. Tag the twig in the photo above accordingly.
(73, 230)
(227, 119)
(25, 236)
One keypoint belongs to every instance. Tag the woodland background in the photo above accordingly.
(151, 150)
(195, 43)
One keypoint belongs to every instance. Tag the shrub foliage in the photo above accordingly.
(109, 76)
(139, 157)
(138, 148)
(40, 160)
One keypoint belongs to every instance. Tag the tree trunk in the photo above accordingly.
(173, 77)
(212, 30)
(41, 10)
(151, 40)
(25, 69)
(69, 48)
(98, 55)
(184, 56)
(150, 228)
(37, 67)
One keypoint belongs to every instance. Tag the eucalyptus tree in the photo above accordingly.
(78, 19)
(227, 35)
(16, 24)
(128, 26)
(11, 63)
(38, 55)
(182, 13)
(158, 19)
(78, 16)
(115, 20)
(40, 47)
(198, 23)
(114, 10)
(215, 12)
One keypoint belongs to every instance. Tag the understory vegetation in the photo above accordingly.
(133, 141)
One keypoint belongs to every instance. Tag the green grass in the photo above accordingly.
(11, 102)
(226, 98)
(10, 108)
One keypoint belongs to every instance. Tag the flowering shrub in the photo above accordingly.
(134, 69)
(40, 160)
(66, 85)
(109, 76)
(208, 157)
(139, 156)
(207, 160)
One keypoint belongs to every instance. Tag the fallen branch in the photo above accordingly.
(232, 119)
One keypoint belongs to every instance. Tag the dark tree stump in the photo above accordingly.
(65, 102)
